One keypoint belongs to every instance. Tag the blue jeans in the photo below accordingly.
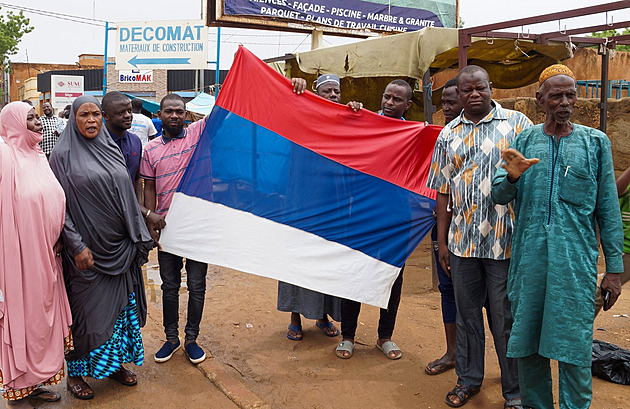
(474, 281)
(171, 274)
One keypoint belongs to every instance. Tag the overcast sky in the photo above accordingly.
(61, 41)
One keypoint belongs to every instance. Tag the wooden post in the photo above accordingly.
(427, 93)
(317, 39)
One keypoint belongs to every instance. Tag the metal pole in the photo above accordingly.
(603, 104)
(427, 94)
(105, 59)
(202, 72)
(217, 70)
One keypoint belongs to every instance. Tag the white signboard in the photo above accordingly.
(135, 76)
(162, 44)
(64, 89)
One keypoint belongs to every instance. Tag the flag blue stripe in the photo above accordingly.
(246, 167)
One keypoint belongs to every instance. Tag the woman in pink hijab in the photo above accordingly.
(34, 312)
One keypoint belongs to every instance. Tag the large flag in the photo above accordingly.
(302, 189)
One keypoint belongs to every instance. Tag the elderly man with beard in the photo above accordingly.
(560, 195)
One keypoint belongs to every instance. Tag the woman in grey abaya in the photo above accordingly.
(106, 243)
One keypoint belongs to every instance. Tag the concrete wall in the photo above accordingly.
(159, 84)
(586, 64)
(21, 71)
(586, 113)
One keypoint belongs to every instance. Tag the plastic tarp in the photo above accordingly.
(202, 104)
(366, 67)
(148, 105)
(400, 55)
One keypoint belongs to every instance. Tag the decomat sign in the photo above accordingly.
(351, 16)
(162, 44)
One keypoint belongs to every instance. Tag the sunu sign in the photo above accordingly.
(162, 44)
(64, 89)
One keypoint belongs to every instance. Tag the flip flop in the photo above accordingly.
(439, 368)
(37, 395)
(77, 389)
(345, 346)
(387, 347)
(296, 329)
(328, 325)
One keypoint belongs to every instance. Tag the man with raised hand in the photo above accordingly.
(560, 194)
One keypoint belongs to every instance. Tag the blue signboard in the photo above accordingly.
(375, 15)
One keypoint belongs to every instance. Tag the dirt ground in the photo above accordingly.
(255, 365)
(247, 335)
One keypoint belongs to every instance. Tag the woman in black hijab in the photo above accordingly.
(106, 243)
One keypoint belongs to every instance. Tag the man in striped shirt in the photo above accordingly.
(164, 162)
(50, 124)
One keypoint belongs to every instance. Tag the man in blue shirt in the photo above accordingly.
(118, 116)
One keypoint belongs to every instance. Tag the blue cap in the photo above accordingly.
(323, 79)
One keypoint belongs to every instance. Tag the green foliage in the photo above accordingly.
(12, 28)
(612, 33)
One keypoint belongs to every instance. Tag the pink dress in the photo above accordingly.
(34, 312)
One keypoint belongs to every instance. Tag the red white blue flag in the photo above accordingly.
(302, 189)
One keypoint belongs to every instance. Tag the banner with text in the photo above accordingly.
(64, 89)
(135, 76)
(162, 45)
(372, 15)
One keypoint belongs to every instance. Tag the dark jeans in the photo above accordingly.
(171, 274)
(447, 293)
(474, 281)
(350, 313)
(449, 310)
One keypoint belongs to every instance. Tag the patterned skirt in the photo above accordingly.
(17, 394)
(125, 346)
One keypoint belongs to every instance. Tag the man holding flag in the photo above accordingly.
(395, 102)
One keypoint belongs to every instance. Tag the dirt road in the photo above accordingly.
(258, 366)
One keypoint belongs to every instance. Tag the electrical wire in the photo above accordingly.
(61, 16)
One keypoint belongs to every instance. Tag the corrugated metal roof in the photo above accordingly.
(177, 80)
(184, 80)
(93, 79)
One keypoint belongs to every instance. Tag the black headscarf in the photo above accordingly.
(102, 214)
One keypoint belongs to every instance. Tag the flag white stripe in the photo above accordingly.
(217, 234)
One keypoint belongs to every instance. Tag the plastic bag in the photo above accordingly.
(611, 362)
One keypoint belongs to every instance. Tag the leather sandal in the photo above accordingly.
(79, 389)
(464, 393)
(122, 375)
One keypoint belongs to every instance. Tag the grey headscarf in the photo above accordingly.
(102, 214)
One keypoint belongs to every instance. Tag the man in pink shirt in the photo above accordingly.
(164, 162)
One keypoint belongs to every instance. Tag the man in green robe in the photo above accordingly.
(559, 196)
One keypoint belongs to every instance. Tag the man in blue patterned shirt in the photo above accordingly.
(467, 154)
